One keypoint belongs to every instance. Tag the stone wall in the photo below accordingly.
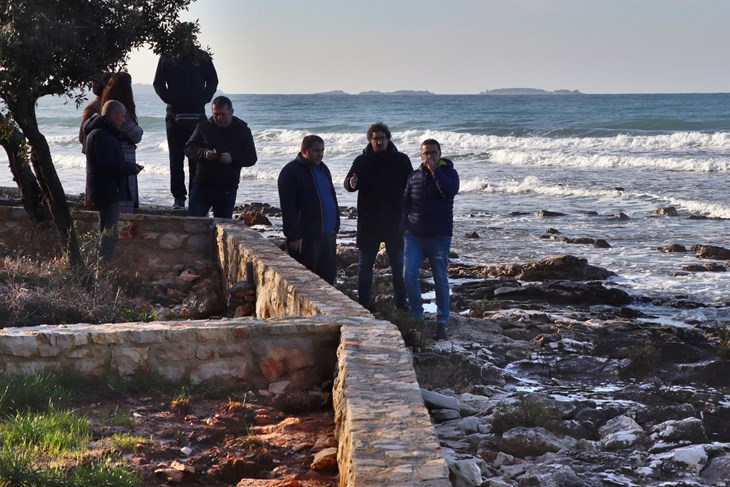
(305, 330)
(145, 241)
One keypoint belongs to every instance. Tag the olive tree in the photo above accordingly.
(56, 47)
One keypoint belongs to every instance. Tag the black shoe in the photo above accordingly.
(179, 204)
(441, 332)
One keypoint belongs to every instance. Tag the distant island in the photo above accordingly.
(528, 91)
(372, 92)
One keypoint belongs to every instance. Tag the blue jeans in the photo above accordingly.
(202, 198)
(436, 250)
(368, 254)
(109, 228)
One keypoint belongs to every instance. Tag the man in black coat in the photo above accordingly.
(309, 209)
(220, 147)
(107, 172)
(379, 174)
(186, 81)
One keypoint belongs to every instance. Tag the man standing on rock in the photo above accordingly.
(379, 174)
(309, 209)
(186, 80)
(428, 222)
(219, 147)
(107, 172)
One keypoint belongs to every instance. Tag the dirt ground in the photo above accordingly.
(220, 442)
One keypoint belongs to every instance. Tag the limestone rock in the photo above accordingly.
(434, 400)
(531, 442)
(557, 267)
(711, 252)
(620, 432)
(465, 473)
(325, 459)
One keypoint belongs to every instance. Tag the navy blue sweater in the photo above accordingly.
(428, 201)
(301, 206)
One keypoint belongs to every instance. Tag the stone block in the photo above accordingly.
(126, 360)
(172, 241)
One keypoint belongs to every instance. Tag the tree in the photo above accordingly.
(55, 47)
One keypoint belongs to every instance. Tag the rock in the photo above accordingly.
(325, 459)
(552, 231)
(532, 442)
(710, 267)
(693, 457)
(717, 471)
(711, 252)
(252, 218)
(434, 400)
(557, 267)
(601, 244)
(565, 292)
(676, 433)
(471, 235)
(170, 475)
(580, 240)
(548, 213)
(552, 476)
(672, 248)
(620, 217)
(667, 211)
(203, 303)
(620, 432)
(465, 473)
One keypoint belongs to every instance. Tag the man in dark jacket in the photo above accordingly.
(379, 174)
(309, 210)
(107, 172)
(186, 81)
(219, 147)
(428, 223)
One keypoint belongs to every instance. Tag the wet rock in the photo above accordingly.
(557, 267)
(711, 252)
(666, 211)
(580, 240)
(471, 235)
(552, 231)
(601, 244)
(672, 248)
(531, 442)
(564, 292)
(548, 213)
(710, 267)
(620, 217)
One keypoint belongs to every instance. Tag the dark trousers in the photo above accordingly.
(109, 228)
(178, 135)
(368, 253)
(319, 256)
(203, 198)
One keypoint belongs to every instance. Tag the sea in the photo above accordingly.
(591, 157)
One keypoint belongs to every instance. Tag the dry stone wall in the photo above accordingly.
(304, 330)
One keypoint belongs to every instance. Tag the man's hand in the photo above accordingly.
(211, 155)
(225, 158)
(296, 246)
(353, 181)
(139, 168)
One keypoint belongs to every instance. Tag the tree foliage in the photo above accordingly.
(56, 47)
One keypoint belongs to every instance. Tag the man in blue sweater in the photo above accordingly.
(309, 210)
(428, 222)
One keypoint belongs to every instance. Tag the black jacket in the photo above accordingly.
(301, 207)
(381, 181)
(106, 169)
(186, 84)
(235, 139)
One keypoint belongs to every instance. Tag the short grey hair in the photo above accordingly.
(112, 106)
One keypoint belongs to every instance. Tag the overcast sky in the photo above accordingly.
(462, 46)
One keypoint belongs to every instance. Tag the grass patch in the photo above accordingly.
(31, 393)
(643, 359)
(127, 442)
(36, 291)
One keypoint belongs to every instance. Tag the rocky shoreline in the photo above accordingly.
(551, 378)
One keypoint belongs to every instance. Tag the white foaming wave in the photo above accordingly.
(254, 173)
(70, 161)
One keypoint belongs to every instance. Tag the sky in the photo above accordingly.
(462, 46)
